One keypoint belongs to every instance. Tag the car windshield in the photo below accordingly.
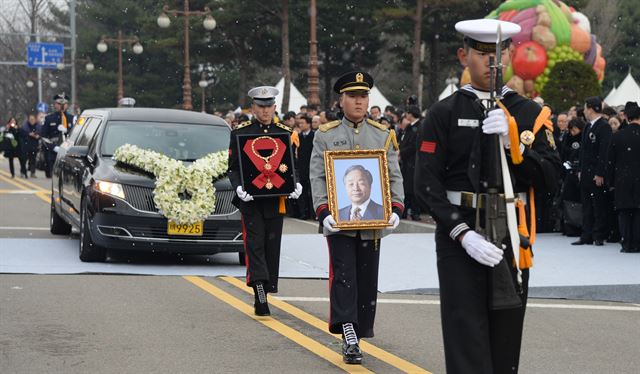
(184, 142)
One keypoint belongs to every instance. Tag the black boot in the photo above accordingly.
(260, 306)
(351, 353)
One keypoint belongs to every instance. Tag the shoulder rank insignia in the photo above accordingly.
(527, 137)
(379, 126)
(284, 127)
(329, 125)
(243, 124)
(550, 138)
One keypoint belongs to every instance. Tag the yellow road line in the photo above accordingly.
(277, 326)
(369, 348)
(41, 194)
(18, 192)
(25, 182)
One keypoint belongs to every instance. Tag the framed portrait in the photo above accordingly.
(266, 164)
(358, 188)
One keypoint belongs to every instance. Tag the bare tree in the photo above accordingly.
(603, 16)
(417, 42)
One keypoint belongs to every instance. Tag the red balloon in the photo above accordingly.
(529, 60)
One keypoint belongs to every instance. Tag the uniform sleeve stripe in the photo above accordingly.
(321, 208)
(458, 230)
(428, 147)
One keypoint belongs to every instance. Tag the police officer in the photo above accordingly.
(56, 126)
(593, 169)
(451, 178)
(262, 217)
(354, 254)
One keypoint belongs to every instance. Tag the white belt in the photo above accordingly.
(470, 199)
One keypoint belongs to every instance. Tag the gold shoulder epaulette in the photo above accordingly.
(329, 125)
(243, 124)
(392, 139)
(376, 124)
(284, 127)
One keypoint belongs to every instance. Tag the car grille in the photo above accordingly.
(141, 198)
(161, 233)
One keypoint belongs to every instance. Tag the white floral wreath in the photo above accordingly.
(173, 178)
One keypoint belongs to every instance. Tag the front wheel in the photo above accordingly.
(89, 251)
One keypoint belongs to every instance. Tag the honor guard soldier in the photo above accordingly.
(451, 182)
(262, 217)
(593, 168)
(354, 254)
(56, 126)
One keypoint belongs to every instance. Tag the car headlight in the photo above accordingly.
(109, 188)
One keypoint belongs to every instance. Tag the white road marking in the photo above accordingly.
(634, 308)
(19, 192)
(24, 228)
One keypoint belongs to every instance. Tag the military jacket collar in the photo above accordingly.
(352, 124)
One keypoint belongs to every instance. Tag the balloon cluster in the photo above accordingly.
(552, 32)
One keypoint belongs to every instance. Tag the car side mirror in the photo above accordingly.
(78, 151)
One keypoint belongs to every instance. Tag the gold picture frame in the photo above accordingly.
(347, 188)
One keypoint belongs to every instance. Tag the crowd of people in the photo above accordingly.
(598, 194)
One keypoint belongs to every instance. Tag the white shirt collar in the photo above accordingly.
(363, 208)
(594, 121)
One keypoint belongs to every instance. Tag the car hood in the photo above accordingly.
(111, 171)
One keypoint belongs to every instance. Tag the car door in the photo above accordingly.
(79, 168)
(63, 169)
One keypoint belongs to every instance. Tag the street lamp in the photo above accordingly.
(209, 24)
(102, 47)
(30, 83)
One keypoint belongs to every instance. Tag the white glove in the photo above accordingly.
(9, 135)
(567, 165)
(496, 123)
(243, 195)
(394, 221)
(297, 192)
(481, 250)
(328, 222)
(62, 129)
(56, 149)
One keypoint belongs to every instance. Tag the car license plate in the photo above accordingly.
(194, 229)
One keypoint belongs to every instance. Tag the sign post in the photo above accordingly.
(45, 55)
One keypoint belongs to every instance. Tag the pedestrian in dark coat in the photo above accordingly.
(10, 143)
(408, 141)
(624, 171)
(593, 169)
(306, 135)
(29, 141)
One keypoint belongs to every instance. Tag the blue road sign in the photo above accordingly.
(42, 107)
(45, 55)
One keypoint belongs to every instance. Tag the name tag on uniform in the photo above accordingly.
(468, 123)
(53, 124)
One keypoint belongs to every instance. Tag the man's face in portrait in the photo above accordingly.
(358, 187)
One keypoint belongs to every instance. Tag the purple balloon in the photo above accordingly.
(590, 56)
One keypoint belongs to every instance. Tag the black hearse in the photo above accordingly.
(112, 204)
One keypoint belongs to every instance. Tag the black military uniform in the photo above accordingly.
(305, 202)
(451, 170)
(51, 132)
(262, 218)
(593, 162)
(571, 199)
(624, 172)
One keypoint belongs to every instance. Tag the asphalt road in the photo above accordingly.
(93, 323)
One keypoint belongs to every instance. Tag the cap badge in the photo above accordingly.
(359, 78)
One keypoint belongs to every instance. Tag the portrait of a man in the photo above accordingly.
(357, 184)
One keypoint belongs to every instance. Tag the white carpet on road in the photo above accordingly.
(407, 261)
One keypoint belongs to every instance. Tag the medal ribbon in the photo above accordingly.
(274, 161)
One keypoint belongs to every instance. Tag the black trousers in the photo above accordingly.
(28, 162)
(629, 220)
(594, 212)
(353, 283)
(50, 159)
(262, 248)
(411, 205)
(12, 167)
(476, 339)
(305, 203)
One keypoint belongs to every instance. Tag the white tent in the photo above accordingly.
(628, 90)
(377, 98)
(448, 91)
(610, 94)
(296, 100)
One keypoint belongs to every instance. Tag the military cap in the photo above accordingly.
(61, 98)
(127, 102)
(482, 34)
(263, 95)
(353, 81)
(595, 103)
